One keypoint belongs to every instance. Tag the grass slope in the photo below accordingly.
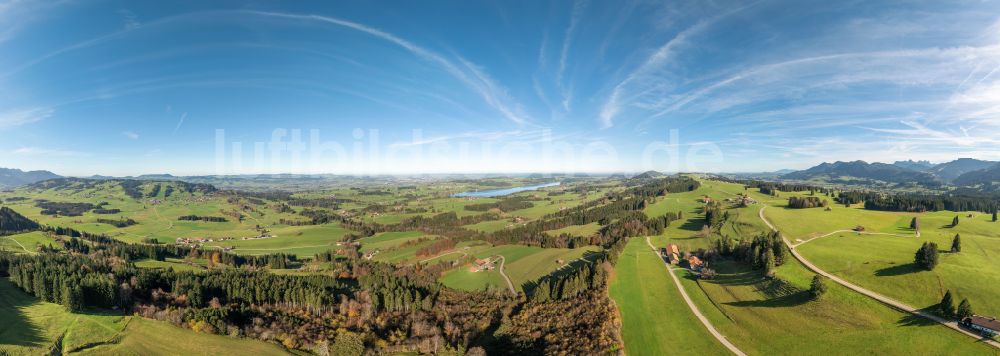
(655, 319)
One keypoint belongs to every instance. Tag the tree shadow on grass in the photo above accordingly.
(694, 224)
(915, 320)
(790, 300)
(727, 279)
(898, 270)
(15, 327)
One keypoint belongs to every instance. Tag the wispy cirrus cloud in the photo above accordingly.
(130, 135)
(23, 117)
(48, 152)
(643, 79)
(470, 75)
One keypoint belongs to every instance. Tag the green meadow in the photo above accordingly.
(884, 263)
(763, 316)
(655, 319)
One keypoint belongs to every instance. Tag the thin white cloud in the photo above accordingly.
(131, 135)
(23, 117)
(131, 21)
(180, 122)
(473, 77)
(48, 152)
(578, 7)
(612, 106)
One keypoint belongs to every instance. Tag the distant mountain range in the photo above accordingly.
(962, 172)
(15, 177)
(949, 171)
(861, 171)
(914, 165)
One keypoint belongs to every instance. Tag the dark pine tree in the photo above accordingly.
(964, 309)
(927, 256)
(956, 244)
(914, 224)
(954, 222)
(818, 286)
(947, 305)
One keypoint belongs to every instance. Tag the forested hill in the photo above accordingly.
(16, 177)
(950, 171)
(985, 180)
(11, 222)
(132, 188)
(838, 171)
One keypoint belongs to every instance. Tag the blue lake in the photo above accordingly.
(505, 191)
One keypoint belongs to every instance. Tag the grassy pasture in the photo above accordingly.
(884, 263)
(577, 230)
(766, 317)
(27, 242)
(303, 241)
(522, 264)
(169, 263)
(763, 317)
(150, 337)
(655, 319)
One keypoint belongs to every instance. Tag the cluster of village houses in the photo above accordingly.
(198, 242)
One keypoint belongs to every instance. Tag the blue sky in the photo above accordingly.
(121, 88)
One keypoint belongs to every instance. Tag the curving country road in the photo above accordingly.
(694, 308)
(504, 275)
(881, 298)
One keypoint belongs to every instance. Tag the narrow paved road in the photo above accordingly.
(881, 298)
(694, 308)
(505, 278)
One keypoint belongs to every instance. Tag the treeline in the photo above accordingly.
(119, 223)
(107, 246)
(507, 205)
(714, 215)
(274, 260)
(63, 208)
(661, 187)
(765, 251)
(11, 222)
(106, 211)
(918, 203)
(806, 202)
(155, 191)
(202, 218)
(439, 246)
(589, 276)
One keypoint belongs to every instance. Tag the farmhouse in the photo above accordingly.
(985, 325)
(482, 264)
(695, 263)
(672, 254)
